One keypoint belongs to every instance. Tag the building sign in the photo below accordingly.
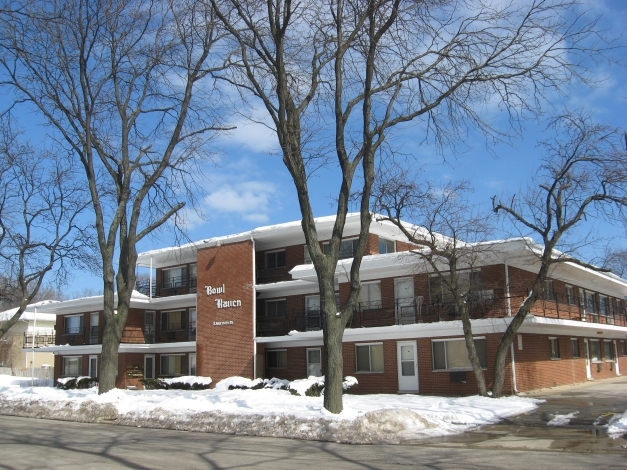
(222, 323)
(222, 303)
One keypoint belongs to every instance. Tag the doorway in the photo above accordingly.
(406, 353)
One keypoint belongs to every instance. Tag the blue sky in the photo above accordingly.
(249, 186)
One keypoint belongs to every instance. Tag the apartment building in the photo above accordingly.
(247, 304)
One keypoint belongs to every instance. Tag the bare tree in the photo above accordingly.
(347, 73)
(450, 236)
(616, 261)
(120, 85)
(583, 176)
(41, 231)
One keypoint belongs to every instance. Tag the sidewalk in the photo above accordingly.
(592, 405)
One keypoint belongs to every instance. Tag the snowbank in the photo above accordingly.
(366, 419)
(617, 426)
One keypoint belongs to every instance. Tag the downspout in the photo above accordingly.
(509, 314)
(254, 274)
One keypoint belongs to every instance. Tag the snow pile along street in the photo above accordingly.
(264, 412)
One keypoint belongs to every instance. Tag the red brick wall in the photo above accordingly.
(225, 350)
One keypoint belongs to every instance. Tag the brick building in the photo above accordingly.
(247, 304)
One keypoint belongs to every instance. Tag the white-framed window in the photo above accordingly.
(276, 308)
(608, 350)
(192, 319)
(172, 320)
(307, 255)
(549, 293)
(347, 248)
(369, 357)
(276, 359)
(386, 246)
(591, 306)
(570, 295)
(172, 364)
(623, 347)
(370, 295)
(173, 277)
(604, 307)
(93, 366)
(574, 347)
(149, 366)
(73, 325)
(595, 350)
(72, 366)
(554, 347)
(275, 259)
(451, 354)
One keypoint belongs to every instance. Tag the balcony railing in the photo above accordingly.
(147, 334)
(173, 286)
(42, 338)
(280, 273)
(413, 310)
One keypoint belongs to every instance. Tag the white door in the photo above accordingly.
(587, 348)
(406, 353)
(314, 363)
(404, 300)
(616, 357)
(93, 366)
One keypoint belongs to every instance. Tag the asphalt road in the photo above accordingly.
(34, 443)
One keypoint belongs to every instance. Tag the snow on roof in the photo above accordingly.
(29, 314)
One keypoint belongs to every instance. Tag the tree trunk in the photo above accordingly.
(472, 351)
(333, 357)
(109, 357)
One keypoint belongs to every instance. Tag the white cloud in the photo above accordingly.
(252, 200)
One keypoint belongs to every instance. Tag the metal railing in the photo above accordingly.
(42, 338)
(173, 286)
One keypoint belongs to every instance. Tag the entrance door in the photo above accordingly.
(404, 300)
(587, 348)
(149, 366)
(149, 326)
(93, 366)
(406, 353)
(314, 363)
(192, 364)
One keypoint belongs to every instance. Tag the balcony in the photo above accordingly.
(42, 338)
(131, 335)
(267, 276)
(174, 286)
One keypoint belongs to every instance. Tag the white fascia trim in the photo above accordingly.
(394, 332)
(66, 349)
(544, 325)
(277, 289)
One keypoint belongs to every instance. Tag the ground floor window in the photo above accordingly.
(451, 354)
(72, 366)
(93, 366)
(172, 365)
(595, 350)
(276, 359)
(369, 357)
(623, 348)
(555, 348)
(574, 347)
(608, 350)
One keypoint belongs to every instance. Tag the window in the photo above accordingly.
(276, 308)
(467, 281)
(549, 293)
(574, 347)
(172, 364)
(386, 246)
(72, 366)
(608, 350)
(590, 303)
(276, 359)
(369, 357)
(307, 255)
(74, 324)
(370, 296)
(275, 259)
(554, 348)
(193, 275)
(174, 277)
(149, 366)
(570, 295)
(618, 309)
(93, 366)
(623, 348)
(171, 320)
(452, 354)
(192, 364)
(347, 248)
(604, 307)
(595, 350)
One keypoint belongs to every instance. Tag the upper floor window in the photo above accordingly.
(604, 306)
(590, 303)
(386, 246)
(347, 248)
(275, 259)
(174, 277)
(370, 295)
(549, 293)
(73, 324)
(570, 295)
(172, 320)
(276, 308)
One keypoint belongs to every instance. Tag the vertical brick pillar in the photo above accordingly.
(225, 330)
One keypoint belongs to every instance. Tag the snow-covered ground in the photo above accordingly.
(264, 412)
(617, 426)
